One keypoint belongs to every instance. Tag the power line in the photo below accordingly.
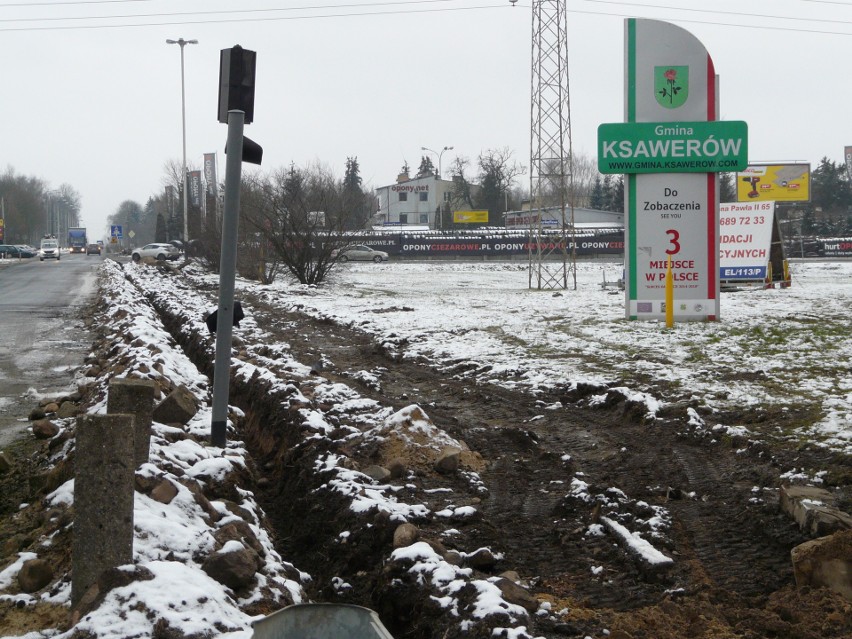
(221, 12)
(264, 19)
(365, 14)
(64, 4)
(716, 24)
(713, 11)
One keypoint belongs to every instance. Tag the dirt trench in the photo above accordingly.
(730, 544)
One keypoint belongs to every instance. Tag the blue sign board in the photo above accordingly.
(115, 231)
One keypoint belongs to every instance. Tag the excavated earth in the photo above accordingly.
(731, 575)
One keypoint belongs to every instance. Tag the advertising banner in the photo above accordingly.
(837, 247)
(774, 183)
(470, 217)
(467, 246)
(2, 230)
(670, 82)
(195, 188)
(745, 237)
(210, 173)
(847, 156)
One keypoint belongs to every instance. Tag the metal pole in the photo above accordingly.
(227, 269)
(183, 128)
(182, 43)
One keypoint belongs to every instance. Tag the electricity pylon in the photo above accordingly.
(552, 253)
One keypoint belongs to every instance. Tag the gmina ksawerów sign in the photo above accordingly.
(670, 149)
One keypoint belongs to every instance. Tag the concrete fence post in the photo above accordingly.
(104, 468)
(134, 397)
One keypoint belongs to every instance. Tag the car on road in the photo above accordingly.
(13, 250)
(93, 249)
(361, 253)
(157, 251)
(49, 250)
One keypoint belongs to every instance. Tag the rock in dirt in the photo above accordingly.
(164, 492)
(44, 429)
(35, 574)
(825, 562)
(405, 535)
(448, 461)
(482, 559)
(177, 408)
(68, 409)
(515, 594)
(239, 531)
(233, 569)
(377, 472)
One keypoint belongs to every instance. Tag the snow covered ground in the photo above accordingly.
(448, 312)
(786, 348)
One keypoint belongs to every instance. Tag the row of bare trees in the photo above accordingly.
(293, 220)
(31, 208)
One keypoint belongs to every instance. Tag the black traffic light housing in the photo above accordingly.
(236, 82)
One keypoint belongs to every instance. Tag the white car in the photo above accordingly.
(49, 250)
(360, 252)
(157, 251)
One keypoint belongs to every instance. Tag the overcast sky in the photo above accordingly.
(92, 93)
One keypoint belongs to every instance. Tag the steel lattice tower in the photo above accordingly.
(551, 175)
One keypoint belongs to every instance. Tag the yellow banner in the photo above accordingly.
(470, 217)
(777, 182)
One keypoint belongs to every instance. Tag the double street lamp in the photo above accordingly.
(438, 221)
(446, 148)
(182, 43)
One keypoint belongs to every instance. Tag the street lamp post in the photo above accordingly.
(182, 43)
(440, 176)
(440, 155)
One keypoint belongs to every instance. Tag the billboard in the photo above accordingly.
(745, 236)
(470, 217)
(774, 183)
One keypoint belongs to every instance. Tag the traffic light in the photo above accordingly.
(236, 82)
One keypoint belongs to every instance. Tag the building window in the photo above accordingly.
(424, 219)
(403, 196)
(424, 196)
(403, 218)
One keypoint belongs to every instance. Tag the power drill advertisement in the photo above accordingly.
(774, 182)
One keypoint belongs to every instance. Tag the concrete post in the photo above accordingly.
(103, 499)
(134, 397)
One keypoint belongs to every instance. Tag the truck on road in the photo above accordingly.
(77, 239)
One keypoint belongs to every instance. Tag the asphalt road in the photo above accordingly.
(42, 338)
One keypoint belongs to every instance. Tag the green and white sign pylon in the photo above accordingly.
(670, 148)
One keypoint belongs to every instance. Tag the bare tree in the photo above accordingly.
(296, 220)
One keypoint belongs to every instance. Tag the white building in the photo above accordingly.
(414, 202)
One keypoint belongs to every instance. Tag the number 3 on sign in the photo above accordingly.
(674, 236)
